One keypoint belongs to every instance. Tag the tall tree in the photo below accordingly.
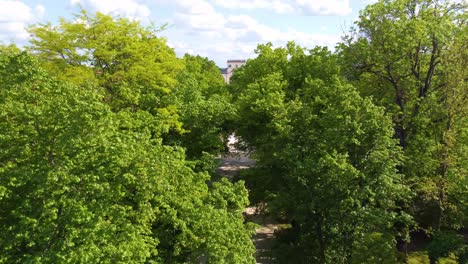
(326, 160)
(411, 57)
(131, 64)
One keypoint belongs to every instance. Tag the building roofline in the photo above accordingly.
(236, 61)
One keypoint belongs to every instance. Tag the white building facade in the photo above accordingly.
(232, 65)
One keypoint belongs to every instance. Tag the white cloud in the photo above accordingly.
(14, 11)
(195, 7)
(220, 37)
(302, 7)
(14, 17)
(282, 7)
(244, 28)
(179, 45)
(201, 22)
(279, 6)
(329, 7)
(40, 10)
(132, 9)
(198, 15)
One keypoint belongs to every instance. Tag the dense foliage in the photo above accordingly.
(203, 103)
(109, 141)
(326, 159)
(85, 175)
(411, 57)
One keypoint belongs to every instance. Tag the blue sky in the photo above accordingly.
(217, 29)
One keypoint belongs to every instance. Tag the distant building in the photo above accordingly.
(231, 66)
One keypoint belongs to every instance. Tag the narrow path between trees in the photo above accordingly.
(231, 164)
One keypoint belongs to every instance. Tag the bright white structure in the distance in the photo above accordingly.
(232, 65)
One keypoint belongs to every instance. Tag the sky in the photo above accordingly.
(217, 29)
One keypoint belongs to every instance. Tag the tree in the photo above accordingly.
(133, 67)
(325, 156)
(83, 182)
(203, 103)
(410, 57)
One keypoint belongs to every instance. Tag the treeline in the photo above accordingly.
(108, 144)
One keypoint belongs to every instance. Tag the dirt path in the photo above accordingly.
(264, 237)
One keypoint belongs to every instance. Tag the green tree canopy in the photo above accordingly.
(326, 160)
(83, 183)
(204, 105)
(411, 57)
(134, 68)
